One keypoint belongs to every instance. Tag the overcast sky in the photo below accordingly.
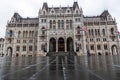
(30, 8)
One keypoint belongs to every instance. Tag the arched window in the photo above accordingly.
(99, 32)
(103, 31)
(23, 33)
(89, 32)
(78, 30)
(19, 33)
(24, 48)
(62, 22)
(26, 35)
(54, 24)
(58, 24)
(50, 24)
(70, 24)
(92, 32)
(30, 33)
(112, 30)
(17, 48)
(96, 32)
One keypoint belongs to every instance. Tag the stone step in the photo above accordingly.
(61, 54)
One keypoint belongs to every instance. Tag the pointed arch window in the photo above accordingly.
(58, 24)
(62, 24)
(103, 31)
(19, 33)
(50, 24)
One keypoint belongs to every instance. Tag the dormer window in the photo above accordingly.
(68, 11)
(52, 11)
(76, 11)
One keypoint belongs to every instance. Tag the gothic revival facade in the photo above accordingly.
(62, 29)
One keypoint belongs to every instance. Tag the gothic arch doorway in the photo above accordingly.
(114, 49)
(52, 45)
(61, 46)
(9, 51)
(69, 44)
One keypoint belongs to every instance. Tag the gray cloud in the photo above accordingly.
(30, 8)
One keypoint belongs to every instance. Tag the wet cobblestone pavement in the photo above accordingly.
(60, 68)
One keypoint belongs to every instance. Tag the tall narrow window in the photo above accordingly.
(19, 33)
(95, 32)
(17, 48)
(50, 24)
(92, 32)
(103, 31)
(23, 33)
(30, 48)
(99, 32)
(62, 22)
(24, 48)
(112, 30)
(58, 24)
(70, 24)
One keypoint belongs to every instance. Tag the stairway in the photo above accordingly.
(61, 54)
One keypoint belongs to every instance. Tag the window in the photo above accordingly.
(89, 32)
(98, 39)
(58, 24)
(103, 31)
(50, 24)
(70, 24)
(104, 39)
(62, 24)
(92, 47)
(24, 41)
(30, 48)
(17, 48)
(98, 47)
(24, 48)
(105, 47)
(30, 41)
(92, 32)
(35, 48)
(99, 32)
(112, 30)
(95, 32)
(19, 33)
(18, 41)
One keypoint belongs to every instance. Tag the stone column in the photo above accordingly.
(56, 45)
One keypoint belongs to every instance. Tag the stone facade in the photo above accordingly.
(1, 46)
(62, 29)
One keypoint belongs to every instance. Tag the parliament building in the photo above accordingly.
(61, 30)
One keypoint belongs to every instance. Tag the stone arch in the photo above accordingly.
(9, 51)
(99, 53)
(69, 44)
(61, 44)
(114, 50)
(52, 44)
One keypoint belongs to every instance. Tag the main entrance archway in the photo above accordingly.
(69, 44)
(61, 46)
(52, 45)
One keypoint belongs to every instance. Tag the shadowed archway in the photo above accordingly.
(69, 44)
(61, 46)
(52, 45)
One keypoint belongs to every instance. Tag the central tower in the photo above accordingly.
(59, 29)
